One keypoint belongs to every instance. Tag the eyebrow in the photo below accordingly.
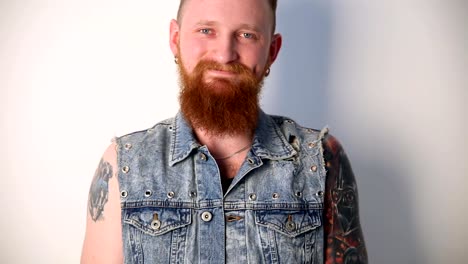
(206, 23)
(214, 23)
(250, 27)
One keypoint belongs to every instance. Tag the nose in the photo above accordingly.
(225, 50)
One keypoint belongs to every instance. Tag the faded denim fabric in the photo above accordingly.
(174, 209)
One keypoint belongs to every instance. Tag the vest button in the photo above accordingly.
(290, 225)
(170, 195)
(155, 224)
(203, 157)
(206, 216)
(128, 146)
(252, 197)
(125, 169)
(313, 168)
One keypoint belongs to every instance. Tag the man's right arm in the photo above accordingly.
(103, 238)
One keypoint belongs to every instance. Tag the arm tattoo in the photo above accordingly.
(344, 243)
(99, 191)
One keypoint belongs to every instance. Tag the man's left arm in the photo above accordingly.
(344, 242)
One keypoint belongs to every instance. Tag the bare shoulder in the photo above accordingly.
(344, 239)
(103, 240)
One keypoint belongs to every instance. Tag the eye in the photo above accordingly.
(205, 31)
(248, 35)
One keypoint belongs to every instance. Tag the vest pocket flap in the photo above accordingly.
(290, 223)
(157, 221)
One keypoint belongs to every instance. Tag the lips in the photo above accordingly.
(220, 74)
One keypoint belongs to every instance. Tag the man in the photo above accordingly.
(223, 182)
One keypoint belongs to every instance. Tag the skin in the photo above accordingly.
(344, 240)
(227, 31)
(103, 237)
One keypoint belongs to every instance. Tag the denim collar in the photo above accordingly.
(268, 142)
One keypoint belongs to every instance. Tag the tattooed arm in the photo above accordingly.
(344, 242)
(103, 239)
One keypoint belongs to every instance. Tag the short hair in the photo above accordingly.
(273, 5)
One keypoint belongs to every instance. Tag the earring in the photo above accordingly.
(176, 60)
(267, 72)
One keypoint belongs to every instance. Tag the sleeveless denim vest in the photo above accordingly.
(174, 209)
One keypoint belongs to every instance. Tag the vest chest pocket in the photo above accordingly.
(157, 221)
(288, 236)
(153, 233)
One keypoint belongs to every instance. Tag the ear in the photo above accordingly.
(174, 36)
(275, 47)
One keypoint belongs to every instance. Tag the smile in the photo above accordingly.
(220, 74)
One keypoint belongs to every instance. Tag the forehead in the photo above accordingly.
(227, 13)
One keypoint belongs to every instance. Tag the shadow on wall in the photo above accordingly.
(298, 87)
(388, 223)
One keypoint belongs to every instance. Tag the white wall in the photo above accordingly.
(389, 77)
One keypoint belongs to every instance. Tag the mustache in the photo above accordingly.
(235, 67)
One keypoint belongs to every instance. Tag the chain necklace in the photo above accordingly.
(233, 154)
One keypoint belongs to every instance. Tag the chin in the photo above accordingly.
(219, 84)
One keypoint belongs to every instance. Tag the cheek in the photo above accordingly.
(256, 59)
(259, 66)
(190, 52)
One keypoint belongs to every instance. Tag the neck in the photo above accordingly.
(222, 146)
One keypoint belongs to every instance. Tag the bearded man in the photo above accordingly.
(222, 181)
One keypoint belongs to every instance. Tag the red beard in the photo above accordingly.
(221, 106)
